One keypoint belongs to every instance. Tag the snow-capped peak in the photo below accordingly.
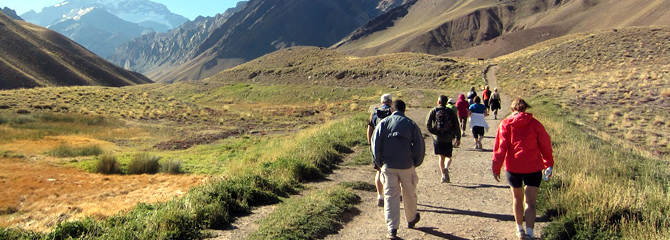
(61, 4)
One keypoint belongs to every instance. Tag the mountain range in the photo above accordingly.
(206, 46)
(103, 25)
(33, 56)
(10, 13)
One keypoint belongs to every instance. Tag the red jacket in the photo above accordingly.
(523, 144)
(462, 106)
(486, 94)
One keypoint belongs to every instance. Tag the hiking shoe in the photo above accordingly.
(380, 202)
(521, 234)
(446, 177)
(393, 234)
(413, 222)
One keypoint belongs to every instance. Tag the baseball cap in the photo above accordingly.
(386, 98)
(451, 100)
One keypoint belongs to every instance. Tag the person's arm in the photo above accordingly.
(377, 146)
(454, 122)
(500, 148)
(419, 147)
(370, 127)
(544, 141)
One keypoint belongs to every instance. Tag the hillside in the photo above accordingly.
(320, 66)
(11, 13)
(490, 28)
(265, 26)
(33, 56)
(616, 81)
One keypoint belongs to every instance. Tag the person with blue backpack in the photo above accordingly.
(379, 113)
(443, 123)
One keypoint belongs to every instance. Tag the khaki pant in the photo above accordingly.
(394, 180)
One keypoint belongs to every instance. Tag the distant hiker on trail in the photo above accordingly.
(451, 104)
(524, 146)
(495, 103)
(442, 122)
(471, 95)
(477, 122)
(377, 115)
(462, 109)
(397, 147)
(486, 94)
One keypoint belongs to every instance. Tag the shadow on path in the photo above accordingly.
(480, 186)
(500, 217)
(433, 231)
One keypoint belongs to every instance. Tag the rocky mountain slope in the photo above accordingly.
(103, 25)
(494, 27)
(10, 13)
(32, 56)
(261, 27)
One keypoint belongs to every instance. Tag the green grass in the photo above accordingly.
(107, 164)
(144, 163)
(311, 217)
(600, 190)
(359, 185)
(36, 126)
(70, 151)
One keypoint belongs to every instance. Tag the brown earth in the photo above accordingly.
(35, 195)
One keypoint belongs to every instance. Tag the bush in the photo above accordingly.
(16, 234)
(144, 163)
(171, 166)
(64, 150)
(107, 164)
(75, 229)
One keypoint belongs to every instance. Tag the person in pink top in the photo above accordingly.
(524, 146)
(462, 106)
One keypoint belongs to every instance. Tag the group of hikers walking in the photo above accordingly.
(397, 145)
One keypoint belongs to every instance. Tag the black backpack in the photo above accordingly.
(443, 121)
(382, 113)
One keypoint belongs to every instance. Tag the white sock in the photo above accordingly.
(529, 231)
(519, 228)
(380, 197)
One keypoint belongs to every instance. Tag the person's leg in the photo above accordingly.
(380, 188)
(517, 205)
(441, 164)
(391, 182)
(531, 199)
(464, 124)
(409, 181)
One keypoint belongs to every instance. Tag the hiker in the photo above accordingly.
(451, 104)
(486, 95)
(397, 147)
(495, 103)
(471, 95)
(524, 146)
(377, 115)
(463, 113)
(477, 122)
(442, 122)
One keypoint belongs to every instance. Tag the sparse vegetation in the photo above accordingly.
(359, 185)
(311, 217)
(65, 150)
(107, 164)
(171, 166)
(144, 163)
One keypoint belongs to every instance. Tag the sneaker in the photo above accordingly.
(413, 222)
(446, 177)
(393, 234)
(380, 202)
(521, 234)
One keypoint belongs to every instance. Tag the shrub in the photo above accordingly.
(144, 163)
(64, 150)
(107, 164)
(16, 234)
(75, 229)
(171, 166)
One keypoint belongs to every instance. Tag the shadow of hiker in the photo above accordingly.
(480, 186)
(501, 217)
(433, 231)
(479, 150)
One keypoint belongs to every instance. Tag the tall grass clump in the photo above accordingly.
(171, 166)
(144, 163)
(311, 217)
(65, 150)
(601, 191)
(107, 164)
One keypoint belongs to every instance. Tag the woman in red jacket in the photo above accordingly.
(462, 106)
(524, 146)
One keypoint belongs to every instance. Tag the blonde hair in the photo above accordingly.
(519, 105)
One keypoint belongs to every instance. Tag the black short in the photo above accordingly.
(443, 148)
(517, 180)
(477, 131)
(486, 103)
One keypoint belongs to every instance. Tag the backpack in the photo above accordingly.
(382, 113)
(443, 121)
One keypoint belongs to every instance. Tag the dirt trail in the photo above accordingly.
(472, 206)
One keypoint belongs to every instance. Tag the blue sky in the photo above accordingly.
(186, 8)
